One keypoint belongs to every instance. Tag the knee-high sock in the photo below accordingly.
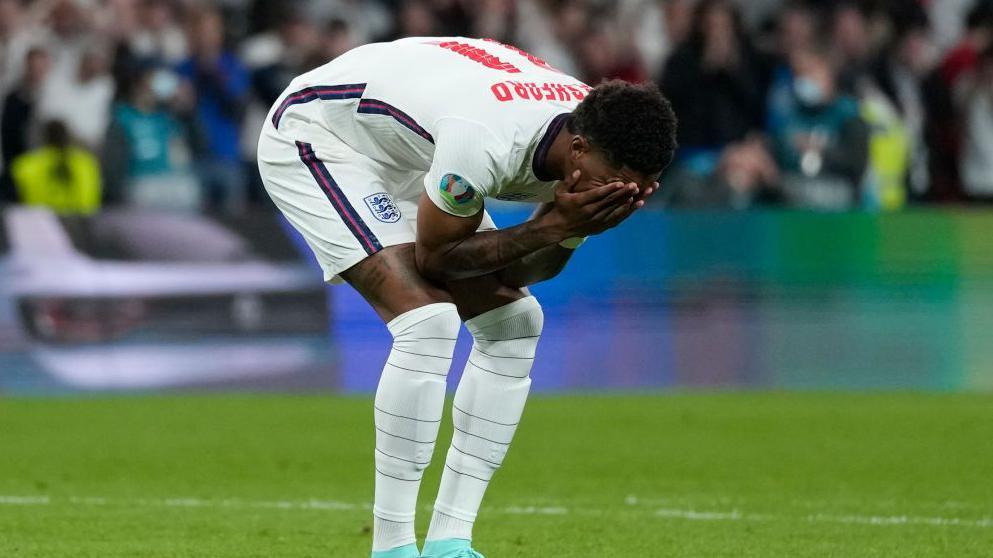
(488, 406)
(409, 405)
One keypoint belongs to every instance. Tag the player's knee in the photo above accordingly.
(505, 340)
(430, 330)
(507, 337)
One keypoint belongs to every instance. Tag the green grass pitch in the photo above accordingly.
(687, 475)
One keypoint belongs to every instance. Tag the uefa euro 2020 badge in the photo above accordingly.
(383, 207)
(457, 189)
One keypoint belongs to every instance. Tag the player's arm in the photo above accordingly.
(449, 248)
(540, 265)
(549, 261)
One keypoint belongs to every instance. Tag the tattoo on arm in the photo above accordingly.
(538, 266)
(449, 248)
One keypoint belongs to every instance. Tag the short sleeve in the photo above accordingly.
(465, 168)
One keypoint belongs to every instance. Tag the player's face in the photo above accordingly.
(598, 171)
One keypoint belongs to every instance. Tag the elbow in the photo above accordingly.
(545, 275)
(429, 265)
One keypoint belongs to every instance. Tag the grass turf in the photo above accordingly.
(690, 475)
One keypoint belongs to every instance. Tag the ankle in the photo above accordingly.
(444, 526)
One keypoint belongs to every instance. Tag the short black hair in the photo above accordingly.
(633, 124)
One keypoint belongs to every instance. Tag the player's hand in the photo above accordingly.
(622, 212)
(590, 211)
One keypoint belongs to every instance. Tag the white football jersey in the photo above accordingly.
(474, 115)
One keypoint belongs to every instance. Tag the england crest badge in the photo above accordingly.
(383, 207)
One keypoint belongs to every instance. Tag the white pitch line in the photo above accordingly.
(736, 515)
(903, 520)
(532, 510)
(24, 500)
(664, 513)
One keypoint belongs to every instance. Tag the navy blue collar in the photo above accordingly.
(541, 153)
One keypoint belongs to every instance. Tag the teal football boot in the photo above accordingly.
(450, 548)
(406, 551)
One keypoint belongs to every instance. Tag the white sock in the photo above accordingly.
(409, 404)
(488, 405)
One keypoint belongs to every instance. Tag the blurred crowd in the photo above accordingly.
(827, 105)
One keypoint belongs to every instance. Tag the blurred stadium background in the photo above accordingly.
(838, 237)
(841, 246)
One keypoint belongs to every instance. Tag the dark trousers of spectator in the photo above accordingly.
(224, 185)
(8, 193)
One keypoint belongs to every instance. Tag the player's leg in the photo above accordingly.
(505, 324)
(356, 231)
(411, 393)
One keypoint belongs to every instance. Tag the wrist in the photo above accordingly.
(550, 229)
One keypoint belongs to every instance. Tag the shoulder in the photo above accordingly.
(453, 129)
(26, 161)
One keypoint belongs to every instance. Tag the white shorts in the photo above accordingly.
(346, 206)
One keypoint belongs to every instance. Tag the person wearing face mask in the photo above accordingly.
(820, 142)
(145, 156)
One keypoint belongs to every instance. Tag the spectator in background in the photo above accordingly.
(851, 43)
(367, 21)
(145, 156)
(654, 27)
(715, 87)
(58, 175)
(151, 35)
(796, 29)
(82, 104)
(900, 73)
(159, 38)
(220, 84)
(718, 82)
(276, 57)
(452, 18)
(68, 39)
(605, 53)
(960, 61)
(18, 117)
(15, 41)
(948, 20)
(495, 19)
(821, 144)
(337, 39)
(551, 30)
(977, 155)
(746, 175)
(414, 18)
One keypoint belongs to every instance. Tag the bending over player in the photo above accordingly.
(382, 159)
